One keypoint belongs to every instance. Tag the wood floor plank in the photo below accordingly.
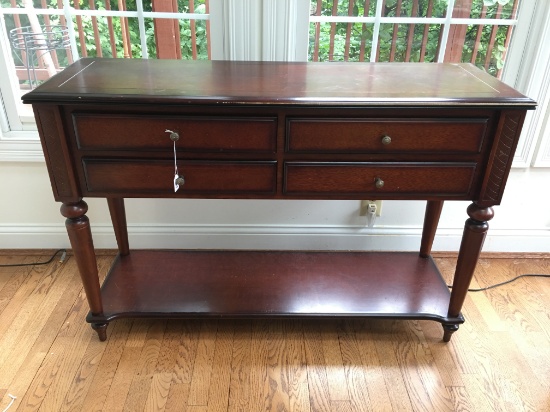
(52, 380)
(336, 378)
(158, 392)
(72, 353)
(63, 358)
(259, 382)
(461, 399)
(118, 392)
(84, 377)
(145, 367)
(300, 402)
(353, 369)
(202, 369)
(491, 376)
(147, 364)
(442, 353)
(378, 392)
(177, 397)
(503, 299)
(220, 383)
(40, 349)
(239, 385)
(409, 355)
(429, 374)
(52, 360)
(341, 406)
(108, 365)
(21, 307)
(138, 335)
(277, 398)
(535, 353)
(295, 359)
(187, 350)
(474, 391)
(319, 395)
(394, 377)
(25, 336)
(138, 393)
(44, 376)
(12, 278)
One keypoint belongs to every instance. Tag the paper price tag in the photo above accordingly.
(176, 186)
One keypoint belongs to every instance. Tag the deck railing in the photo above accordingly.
(475, 31)
(112, 28)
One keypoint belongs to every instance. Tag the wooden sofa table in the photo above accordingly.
(118, 128)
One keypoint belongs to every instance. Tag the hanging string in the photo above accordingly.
(176, 172)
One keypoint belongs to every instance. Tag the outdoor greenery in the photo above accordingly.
(360, 37)
(133, 29)
(364, 32)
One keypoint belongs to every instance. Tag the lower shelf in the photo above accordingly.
(247, 284)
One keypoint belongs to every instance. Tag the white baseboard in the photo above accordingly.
(273, 237)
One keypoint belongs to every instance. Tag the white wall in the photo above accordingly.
(29, 218)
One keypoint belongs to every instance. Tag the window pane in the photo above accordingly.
(408, 42)
(40, 43)
(401, 37)
(486, 9)
(484, 45)
(340, 42)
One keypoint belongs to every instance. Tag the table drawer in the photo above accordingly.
(354, 178)
(198, 134)
(203, 177)
(386, 135)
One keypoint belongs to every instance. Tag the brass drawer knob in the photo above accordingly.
(180, 181)
(386, 140)
(379, 183)
(174, 136)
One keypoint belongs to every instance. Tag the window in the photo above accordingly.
(476, 31)
(481, 32)
(40, 37)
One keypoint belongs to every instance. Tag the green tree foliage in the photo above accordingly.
(394, 38)
(102, 24)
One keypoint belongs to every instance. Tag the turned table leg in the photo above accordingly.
(475, 231)
(431, 219)
(80, 236)
(118, 217)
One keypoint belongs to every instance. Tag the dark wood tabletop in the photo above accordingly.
(196, 82)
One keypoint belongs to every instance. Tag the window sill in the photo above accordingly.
(20, 147)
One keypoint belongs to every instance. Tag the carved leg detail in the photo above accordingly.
(80, 235)
(475, 231)
(448, 331)
(118, 217)
(101, 329)
(431, 219)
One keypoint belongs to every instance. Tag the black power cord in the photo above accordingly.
(61, 260)
(531, 275)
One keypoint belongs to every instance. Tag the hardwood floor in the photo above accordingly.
(51, 359)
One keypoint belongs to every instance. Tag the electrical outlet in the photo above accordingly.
(364, 210)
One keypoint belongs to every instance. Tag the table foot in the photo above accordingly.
(101, 329)
(448, 330)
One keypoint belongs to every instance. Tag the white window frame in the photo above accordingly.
(284, 20)
(530, 73)
(18, 135)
